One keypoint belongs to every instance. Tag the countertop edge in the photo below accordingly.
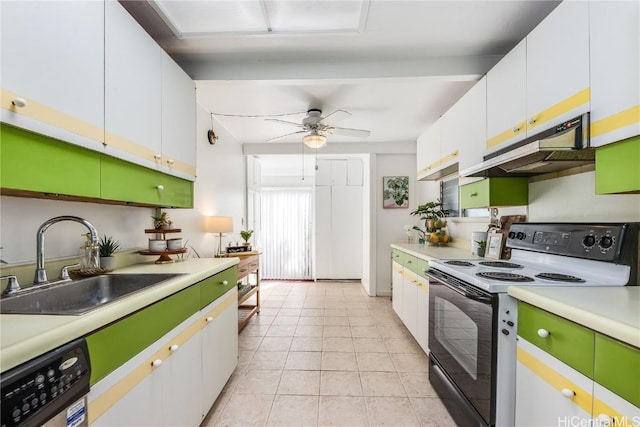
(599, 323)
(67, 328)
(434, 252)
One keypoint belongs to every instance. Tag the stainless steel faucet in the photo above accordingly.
(41, 274)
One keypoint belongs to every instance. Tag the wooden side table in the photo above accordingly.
(249, 264)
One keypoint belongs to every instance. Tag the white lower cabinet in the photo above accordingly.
(422, 330)
(609, 409)
(549, 392)
(410, 301)
(397, 287)
(176, 380)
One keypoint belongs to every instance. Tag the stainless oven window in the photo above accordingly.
(458, 334)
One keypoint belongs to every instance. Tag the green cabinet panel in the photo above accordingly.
(618, 167)
(113, 345)
(567, 341)
(127, 182)
(214, 287)
(33, 162)
(495, 192)
(423, 266)
(617, 368)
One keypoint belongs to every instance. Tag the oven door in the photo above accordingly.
(463, 344)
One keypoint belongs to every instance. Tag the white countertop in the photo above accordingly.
(613, 311)
(434, 252)
(23, 337)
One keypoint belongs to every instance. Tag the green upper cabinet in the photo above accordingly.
(52, 56)
(615, 86)
(123, 181)
(495, 192)
(618, 167)
(31, 162)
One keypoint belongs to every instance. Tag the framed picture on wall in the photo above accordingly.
(395, 192)
(495, 240)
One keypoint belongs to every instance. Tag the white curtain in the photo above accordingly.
(286, 234)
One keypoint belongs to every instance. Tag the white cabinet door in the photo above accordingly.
(338, 172)
(471, 118)
(549, 391)
(428, 149)
(609, 409)
(354, 172)
(323, 239)
(178, 120)
(181, 378)
(346, 232)
(410, 301)
(558, 67)
(506, 99)
(614, 39)
(219, 346)
(422, 327)
(323, 173)
(133, 89)
(397, 286)
(52, 55)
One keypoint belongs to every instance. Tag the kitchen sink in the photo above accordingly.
(79, 296)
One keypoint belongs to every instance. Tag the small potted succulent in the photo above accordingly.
(246, 235)
(482, 246)
(107, 247)
(161, 220)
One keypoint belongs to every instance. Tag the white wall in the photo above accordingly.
(390, 222)
(219, 190)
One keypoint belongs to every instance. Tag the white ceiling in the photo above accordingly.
(396, 66)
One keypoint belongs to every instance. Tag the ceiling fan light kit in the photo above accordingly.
(317, 126)
(314, 140)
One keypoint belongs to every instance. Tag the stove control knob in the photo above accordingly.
(589, 241)
(512, 234)
(520, 235)
(606, 242)
(506, 332)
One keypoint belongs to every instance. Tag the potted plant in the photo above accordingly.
(107, 247)
(246, 235)
(161, 220)
(482, 246)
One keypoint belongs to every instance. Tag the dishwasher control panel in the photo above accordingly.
(39, 389)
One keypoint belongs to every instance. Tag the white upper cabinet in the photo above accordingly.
(468, 126)
(558, 67)
(428, 149)
(133, 90)
(52, 56)
(506, 99)
(614, 36)
(178, 119)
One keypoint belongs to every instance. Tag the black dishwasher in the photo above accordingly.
(51, 385)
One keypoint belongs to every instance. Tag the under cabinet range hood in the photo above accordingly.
(562, 147)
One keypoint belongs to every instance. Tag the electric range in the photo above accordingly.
(473, 322)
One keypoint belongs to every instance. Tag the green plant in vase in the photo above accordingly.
(246, 235)
(482, 247)
(107, 247)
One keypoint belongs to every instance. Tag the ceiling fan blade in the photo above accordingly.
(283, 136)
(285, 122)
(360, 133)
(335, 117)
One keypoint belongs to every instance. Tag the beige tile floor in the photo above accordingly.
(326, 354)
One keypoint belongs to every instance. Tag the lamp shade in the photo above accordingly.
(219, 224)
(314, 140)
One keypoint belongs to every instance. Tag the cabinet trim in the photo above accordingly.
(50, 116)
(106, 400)
(446, 159)
(562, 107)
(506, 135)
(616, 121)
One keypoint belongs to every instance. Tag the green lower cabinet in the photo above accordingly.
(123, 181)
(495, 192)
(113, 345)
(618, 167)
(617, 368)
(214, 287)
(32, 162)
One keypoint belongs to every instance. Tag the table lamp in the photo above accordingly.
(219, 224)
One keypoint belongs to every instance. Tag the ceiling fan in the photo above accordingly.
(318, 127)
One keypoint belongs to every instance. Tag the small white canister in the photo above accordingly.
(477, 236)
(157, 245)
(174, 244)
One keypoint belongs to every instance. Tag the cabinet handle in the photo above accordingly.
(473, 194)
(532, 120)
(225, 283)
(567, 392)
(156, 363)
(543, 333)
(174, 347)
(157, 156)
(209, 319)
(170, 161)
(408, 261)
(515, 130)
(160, 187)
(19, 102)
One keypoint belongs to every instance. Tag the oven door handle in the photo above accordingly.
(480, 298)
(462, 290)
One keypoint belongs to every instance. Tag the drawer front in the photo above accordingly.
(567, 341)
(213, 287)
(495, 192)
(617, 368)
(474, 195)
(113, 345)
(405, 260)
(126, 182)
(423, 266)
